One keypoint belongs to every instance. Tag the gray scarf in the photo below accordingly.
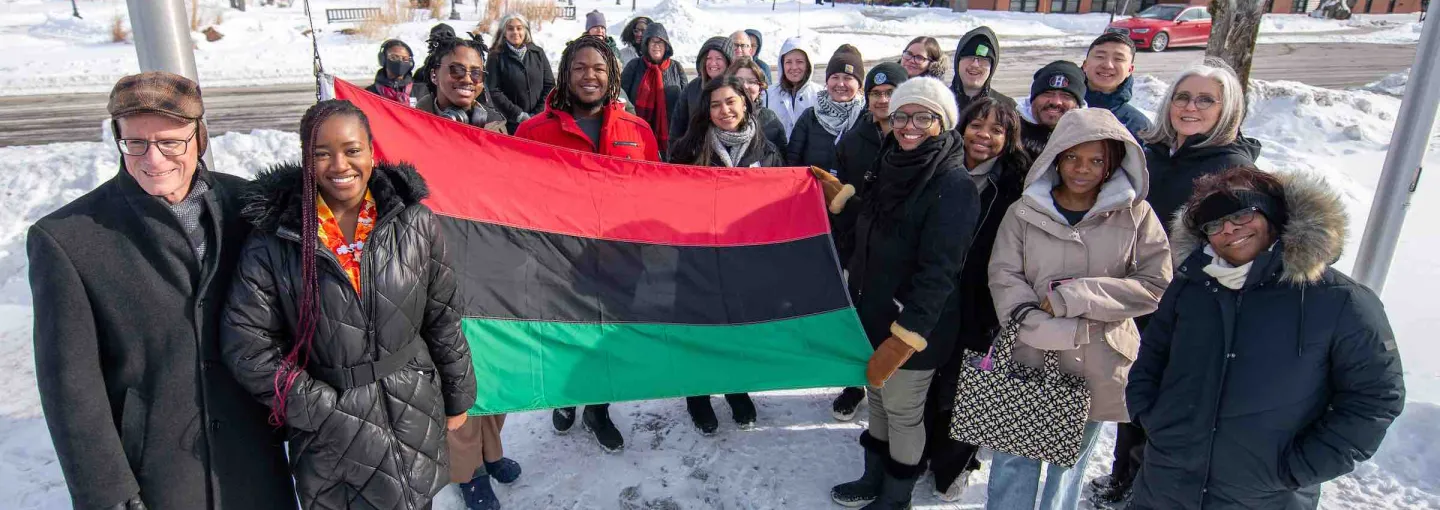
(980, 174)
(837, 117)
(189, 211)
(730, 146)
(518, 52)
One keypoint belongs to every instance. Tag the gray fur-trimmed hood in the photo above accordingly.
(1312, 239)
(272, 200)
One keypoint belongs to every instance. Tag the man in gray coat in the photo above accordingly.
(129, 282)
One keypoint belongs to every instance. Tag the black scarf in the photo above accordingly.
(904, 174)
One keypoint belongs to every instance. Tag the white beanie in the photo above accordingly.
(930, 93)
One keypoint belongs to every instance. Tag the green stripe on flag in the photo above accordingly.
(528, 365)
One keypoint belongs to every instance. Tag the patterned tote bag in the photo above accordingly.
(1012, 408)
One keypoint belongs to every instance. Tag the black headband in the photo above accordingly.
(1223, 203)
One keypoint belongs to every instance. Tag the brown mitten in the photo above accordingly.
(833, 188)
(889, 357)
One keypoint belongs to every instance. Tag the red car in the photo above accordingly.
(1166, 25)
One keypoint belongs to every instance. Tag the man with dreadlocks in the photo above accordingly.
(583, 114)
(342, 318)
(128, 283)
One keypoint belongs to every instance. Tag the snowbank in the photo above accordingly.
(1393, 84)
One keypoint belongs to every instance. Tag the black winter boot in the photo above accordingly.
(597, 421)
(899, 484)
(702, 414)
(562, 419)
(478, 494)
(742, 409)
(867, 488)
(845, 405)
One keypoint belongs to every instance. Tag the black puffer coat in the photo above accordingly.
(379, 444)
(811, 145)
(906, 273)
(1172, 176)
(1253, 398)
(774, 130)
(518, 86)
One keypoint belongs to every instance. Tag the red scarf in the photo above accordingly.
(650, 100)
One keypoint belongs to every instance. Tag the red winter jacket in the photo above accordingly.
(622, 134)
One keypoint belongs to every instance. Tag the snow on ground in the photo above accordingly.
(798, 451)
(50, 52)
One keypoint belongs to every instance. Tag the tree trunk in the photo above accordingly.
(1232, 36)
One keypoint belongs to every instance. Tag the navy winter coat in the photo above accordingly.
(1118, 103)
(1253, 398)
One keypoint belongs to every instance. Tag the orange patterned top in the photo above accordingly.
(334, 239)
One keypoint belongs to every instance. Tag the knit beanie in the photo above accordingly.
(929, 93)
(1059, 75)
(888, 73)
(594, 19)
(978, 46)
(846, 60)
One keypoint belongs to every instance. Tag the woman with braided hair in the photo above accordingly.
(342, 319)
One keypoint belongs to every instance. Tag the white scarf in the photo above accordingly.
(1230, 276)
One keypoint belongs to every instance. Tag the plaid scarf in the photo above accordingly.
(837, 117)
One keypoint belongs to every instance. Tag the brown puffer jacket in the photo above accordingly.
(359, 441)
(1118, 257)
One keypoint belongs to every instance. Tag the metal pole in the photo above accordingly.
(1402, 162)
(162, 36)
(75, 10)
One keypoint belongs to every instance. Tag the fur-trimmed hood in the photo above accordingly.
(273, 199)
(1312, 238)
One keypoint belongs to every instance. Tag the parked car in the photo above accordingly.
(1166, 25)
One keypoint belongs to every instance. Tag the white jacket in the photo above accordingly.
(787, 106)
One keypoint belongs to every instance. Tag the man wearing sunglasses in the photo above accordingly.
(129, 281)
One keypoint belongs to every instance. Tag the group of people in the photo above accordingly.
(191, 325)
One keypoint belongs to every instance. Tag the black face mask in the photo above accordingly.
(398, 67)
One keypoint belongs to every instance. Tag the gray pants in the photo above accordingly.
(897, 414)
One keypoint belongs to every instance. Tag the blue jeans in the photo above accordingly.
(1014, 481)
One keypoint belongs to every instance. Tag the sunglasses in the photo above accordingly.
(137, 147)
(1240, 217)
(459, 71)
(1201, 102)
(920, 120)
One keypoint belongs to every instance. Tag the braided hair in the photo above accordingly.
(309, 299)
(563, 100)
(441, 46)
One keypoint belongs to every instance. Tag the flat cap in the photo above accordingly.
(156, 92)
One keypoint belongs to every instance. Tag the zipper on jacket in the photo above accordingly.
(1224, 370)
(367, 285)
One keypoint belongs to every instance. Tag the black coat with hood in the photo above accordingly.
(1253, 398)
(1172, 176)
(760, 42)
(355, 444)
(127, 355)
(905, 270)
(518, 86)
(674, 76)
(963, 101)
(690, 96)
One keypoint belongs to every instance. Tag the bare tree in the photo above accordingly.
(1232, 36)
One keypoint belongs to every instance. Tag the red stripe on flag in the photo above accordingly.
(484, 176)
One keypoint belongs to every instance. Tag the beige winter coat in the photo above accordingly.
(1117, 255)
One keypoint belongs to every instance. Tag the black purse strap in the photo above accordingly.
(1003, 345)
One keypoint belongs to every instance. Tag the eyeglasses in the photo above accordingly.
(921, 120)
(744, 46)
(458, 72)
(136, 147)
(1201, 102)
(396, 57)
(981, 61)
(915, 58)
(1240, 217)
(881, 94)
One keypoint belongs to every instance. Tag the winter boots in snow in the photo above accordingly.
(597, 421)
(562, 419)
(478, 494)
(742, 409)
(956, 489)
(897, 487)
(865, 490)
(504, 470)
(846, 404)
(702, 415)
(1106, 492)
